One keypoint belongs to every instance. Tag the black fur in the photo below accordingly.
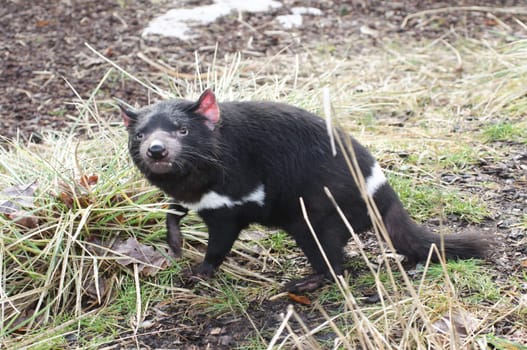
(287, 150)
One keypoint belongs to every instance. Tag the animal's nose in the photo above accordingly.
(157, 150)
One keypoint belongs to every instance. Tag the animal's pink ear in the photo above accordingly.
(129, 116)
(208, 107)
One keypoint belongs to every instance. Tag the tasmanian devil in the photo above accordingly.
(238, 163)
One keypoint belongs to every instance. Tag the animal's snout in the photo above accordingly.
(157, 150)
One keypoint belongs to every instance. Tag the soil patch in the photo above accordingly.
(43, 45)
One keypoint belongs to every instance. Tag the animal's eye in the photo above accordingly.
(182, 131)
(139, 135)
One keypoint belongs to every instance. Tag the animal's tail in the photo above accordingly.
(414, 241)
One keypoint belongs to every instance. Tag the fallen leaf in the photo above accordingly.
(491, 22)
(88, 181)
(43, 23)
(108, 52)
(120, 218)
(96, 291)
(66, 197)
(301, 299)
(22, 318)
(69, 195)
(148, 260)
(461, 322)
(18, 197)
(23, 218)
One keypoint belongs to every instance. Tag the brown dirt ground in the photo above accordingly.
(42, 46)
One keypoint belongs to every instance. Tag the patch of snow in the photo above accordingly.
(290, 21)
(177, 22)
(251, 5)
(295, 19)
(306, 11)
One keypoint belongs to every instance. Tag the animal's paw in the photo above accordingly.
(306, 284)
(201, 272)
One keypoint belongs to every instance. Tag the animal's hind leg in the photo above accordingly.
(332, 237)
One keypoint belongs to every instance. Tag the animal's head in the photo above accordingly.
(168, 136)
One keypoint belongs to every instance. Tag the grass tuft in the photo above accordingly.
(426, 200)
(506, 131)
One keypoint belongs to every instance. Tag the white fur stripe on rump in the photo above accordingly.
(375, 180)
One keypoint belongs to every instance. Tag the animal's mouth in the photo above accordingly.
(160, 166)
(159, 151)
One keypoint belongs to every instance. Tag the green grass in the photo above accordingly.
(503, 344)
(278, 242)
(506, 131)
(523, 223)
(469, 278)
(426, 200)
(460, 158)
(227, 299)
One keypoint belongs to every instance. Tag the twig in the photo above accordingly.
(523, 25)
(170, 71)
(507, 10)
(122, 70)
(459, 67)
(280, 329)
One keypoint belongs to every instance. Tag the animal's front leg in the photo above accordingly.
(223, 231)
(174, 237)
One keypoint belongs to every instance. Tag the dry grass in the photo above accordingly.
(443, 93)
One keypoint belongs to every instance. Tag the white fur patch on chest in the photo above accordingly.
(214, 200)
(375, 180)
